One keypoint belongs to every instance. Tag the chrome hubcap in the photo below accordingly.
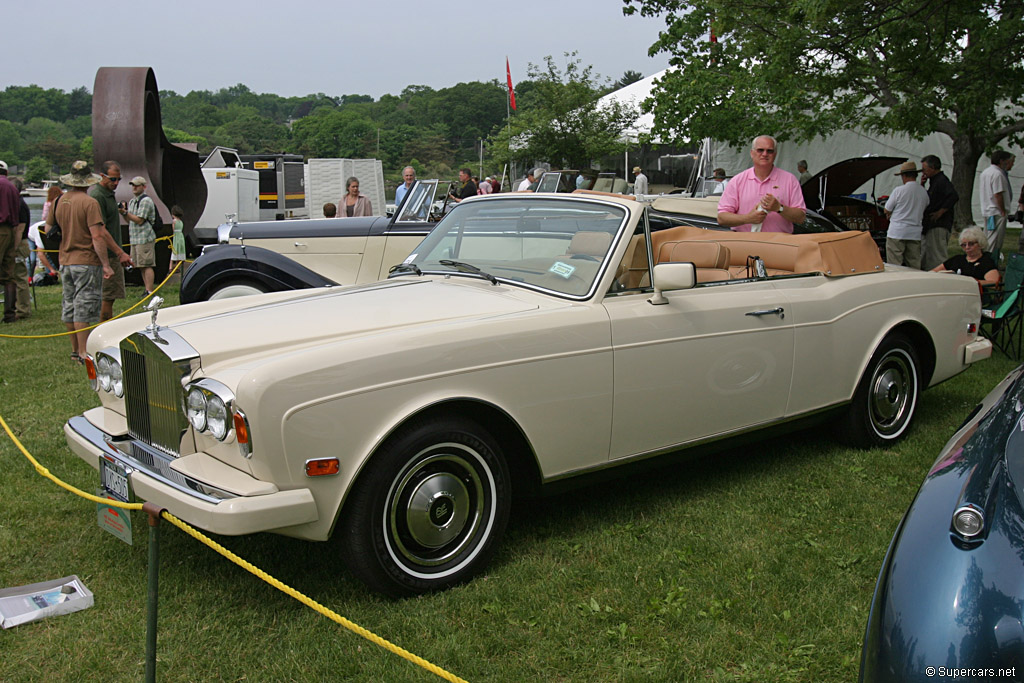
(891, 394)
(437, 511)
(436, 508)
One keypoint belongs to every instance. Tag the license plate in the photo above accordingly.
(114, 480)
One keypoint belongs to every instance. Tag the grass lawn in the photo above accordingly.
(752, 565)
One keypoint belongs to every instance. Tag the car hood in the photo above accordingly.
(316, 317)
(845, 177)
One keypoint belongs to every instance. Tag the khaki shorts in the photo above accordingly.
(144, 255)
(113, 288)
(82, 289)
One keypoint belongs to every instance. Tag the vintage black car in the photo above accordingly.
(274, 256)
(950, 596)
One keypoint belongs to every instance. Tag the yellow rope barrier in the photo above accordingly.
(165, 238)
(92, 327)
(247, 566)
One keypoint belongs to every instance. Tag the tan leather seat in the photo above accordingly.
(710, 258)
(633, 271)
(590, 243)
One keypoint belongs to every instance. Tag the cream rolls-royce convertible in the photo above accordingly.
(529, 340)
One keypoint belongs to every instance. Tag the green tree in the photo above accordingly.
(806, 68)
(11, 143)
(628, 78)
(51, 140)
(20, 103)
(175, 135)
(79, 103)
(252, 133)
(37, 169)
(561, 119)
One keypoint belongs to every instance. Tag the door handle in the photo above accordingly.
(300, 244)
(769, 311)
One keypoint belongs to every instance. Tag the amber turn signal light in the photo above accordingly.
(322, 467)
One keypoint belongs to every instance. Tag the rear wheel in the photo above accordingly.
(235, 288)
(886, 398)
(429, 509)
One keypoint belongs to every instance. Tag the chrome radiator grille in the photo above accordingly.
(154, 366)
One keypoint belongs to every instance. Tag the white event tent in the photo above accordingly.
(823, 152)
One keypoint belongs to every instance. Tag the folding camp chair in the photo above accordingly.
(1001, 320)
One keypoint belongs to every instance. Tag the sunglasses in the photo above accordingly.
(964, 245)
(112, 178)
(762, 150)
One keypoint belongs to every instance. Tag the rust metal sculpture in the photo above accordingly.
(126, 127)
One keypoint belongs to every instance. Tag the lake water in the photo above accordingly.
(35, 207)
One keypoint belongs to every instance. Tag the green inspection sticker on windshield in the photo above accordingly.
(562, 269)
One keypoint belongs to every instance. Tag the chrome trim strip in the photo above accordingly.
(136, 456)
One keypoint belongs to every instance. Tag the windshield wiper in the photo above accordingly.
(405, 267)
(469, 268)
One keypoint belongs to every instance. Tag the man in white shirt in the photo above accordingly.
(640, 184)
(905, 209)
(995, 200)
(531, 177)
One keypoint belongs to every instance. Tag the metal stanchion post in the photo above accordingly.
(154, 584)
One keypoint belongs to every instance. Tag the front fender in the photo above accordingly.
(943, 602)
(222, 263)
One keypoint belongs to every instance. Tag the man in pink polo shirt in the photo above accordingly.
(762, 198)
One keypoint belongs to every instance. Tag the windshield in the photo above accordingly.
(416, 206)
(558, 245)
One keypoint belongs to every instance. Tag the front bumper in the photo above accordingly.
(224, 501)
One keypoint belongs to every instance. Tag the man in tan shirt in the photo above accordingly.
(83, 255)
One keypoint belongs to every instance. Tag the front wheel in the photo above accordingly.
(886, 398)
(428, 510)
(235, 288)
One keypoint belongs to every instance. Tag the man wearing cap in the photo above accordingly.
(763, 198)
(103, 192)
(84, 245)
(141, 214)
(640, 184)
(10, 235)
(720, 181)
(905, 209)
(530, 179)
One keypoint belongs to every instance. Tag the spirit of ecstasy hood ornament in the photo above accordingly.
(154, 307)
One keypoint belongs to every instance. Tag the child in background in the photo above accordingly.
(178, 240)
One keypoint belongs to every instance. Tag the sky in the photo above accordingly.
(299, 47)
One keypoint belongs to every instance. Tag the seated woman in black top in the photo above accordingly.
(973, 261)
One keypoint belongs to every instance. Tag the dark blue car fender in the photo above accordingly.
(945, 606)
(224, 263)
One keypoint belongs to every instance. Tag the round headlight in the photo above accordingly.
(116, 379)
(103, 372)
(195, 406)
(968, 522)
(217, 417)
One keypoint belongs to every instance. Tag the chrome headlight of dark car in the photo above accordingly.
(109, 374)
(968, 521)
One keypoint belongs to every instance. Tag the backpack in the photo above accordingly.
(157, 222)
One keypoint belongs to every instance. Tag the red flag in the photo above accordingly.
(511, 92)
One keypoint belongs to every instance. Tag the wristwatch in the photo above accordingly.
(781, 207)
